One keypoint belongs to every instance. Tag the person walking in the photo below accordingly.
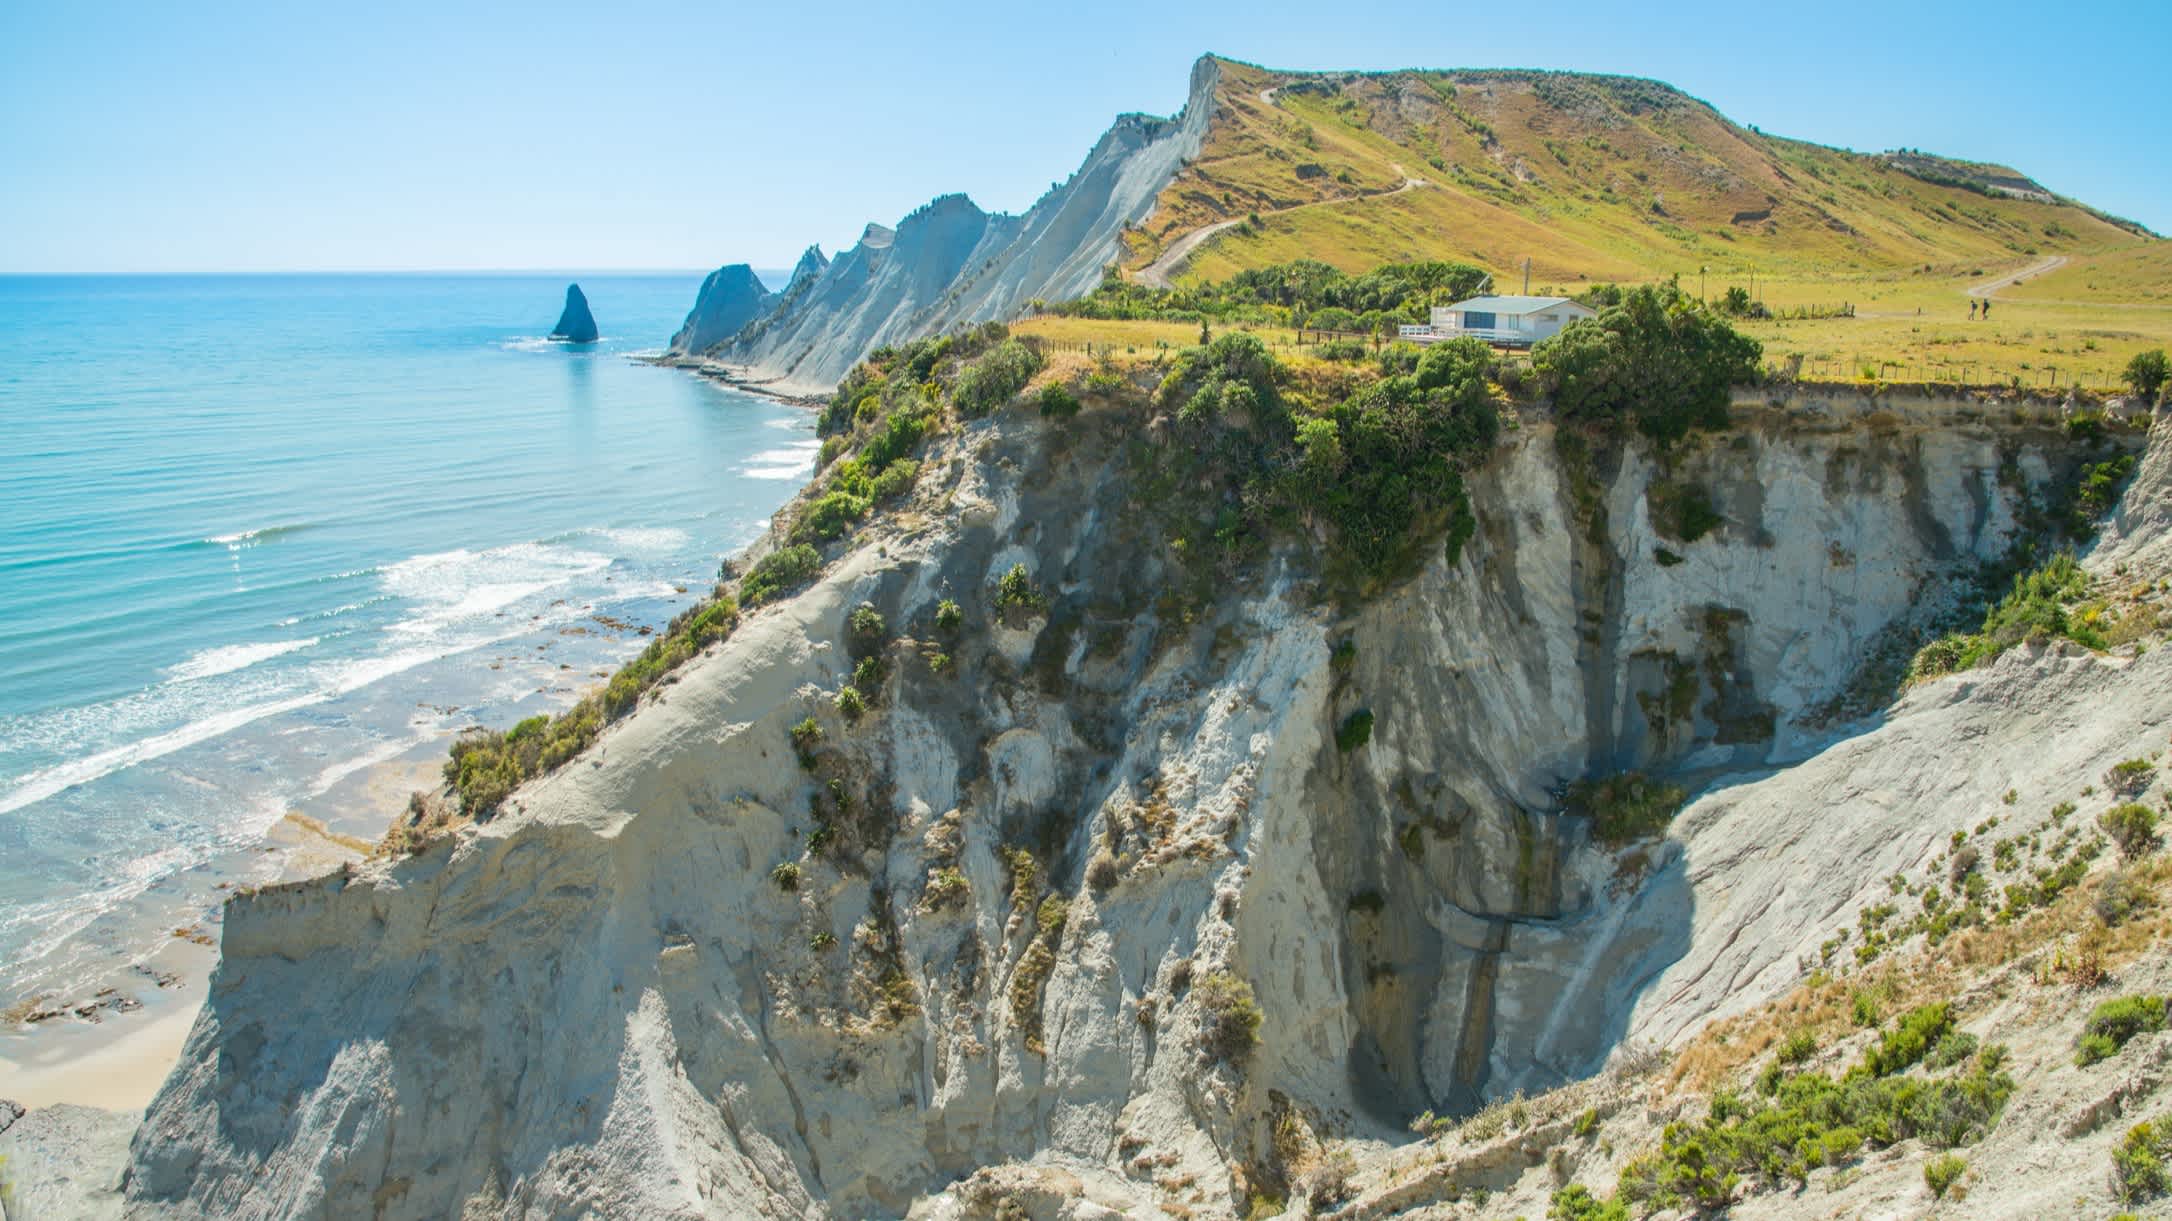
(1972, 309)
(1987, 309)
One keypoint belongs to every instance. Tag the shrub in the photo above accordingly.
(1955, 1047)
(1812, 1119)
(948, 617)
(1101, 872)
(868, 676)
(1910, 1039)
(805, 736)
(1942, 1172)
(945, 887)
(779, 573)
(2146, 373)
(830, 516)
(1576, 1203)
(1655, 358)
(866, 625)
(1355, 731)
(993, 379)
(2121, 897)
(851, 704)
(2097, 492)
(1625, 807)
(1231, 1016)
(2138, 1170)
(1797, 1047)
(1587, 1123)
(2130, 776)
(2112, 1024)
(895, 480)
(1056, 402)
(1016, 594)
(2133, 826)
(2033, 611)
(786, 876)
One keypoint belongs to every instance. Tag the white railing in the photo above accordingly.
(1494, 335)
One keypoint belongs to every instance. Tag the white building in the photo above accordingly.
(1508, 321)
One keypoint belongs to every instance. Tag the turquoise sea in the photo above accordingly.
(260, 535)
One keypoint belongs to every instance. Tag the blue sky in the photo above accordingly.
(225, 136)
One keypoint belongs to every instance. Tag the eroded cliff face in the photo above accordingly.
(950, 263)
(609, 1000)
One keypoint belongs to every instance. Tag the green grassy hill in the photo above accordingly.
(1589, 177)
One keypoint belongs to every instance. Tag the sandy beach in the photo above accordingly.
(118, 1061)
(116, 1065)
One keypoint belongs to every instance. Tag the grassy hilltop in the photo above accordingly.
(1607, 178)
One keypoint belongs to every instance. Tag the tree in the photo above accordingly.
(2146, 373)
(1656, 358)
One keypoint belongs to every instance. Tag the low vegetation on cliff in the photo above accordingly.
(1235, 449)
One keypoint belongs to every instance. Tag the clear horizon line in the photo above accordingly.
(375, 271)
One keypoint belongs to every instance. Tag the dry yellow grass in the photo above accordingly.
(1610, 179)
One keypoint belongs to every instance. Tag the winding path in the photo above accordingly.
(1157, 273)
(2008, 280)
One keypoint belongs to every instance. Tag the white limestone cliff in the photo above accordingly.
(601, 1003)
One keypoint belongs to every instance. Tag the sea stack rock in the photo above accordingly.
(576, 324)
(730, 298)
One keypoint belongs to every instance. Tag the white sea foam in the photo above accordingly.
(450, 588)
(250, 538)
(641, 538)
(228, 658)
(786, 462)
(35, 786)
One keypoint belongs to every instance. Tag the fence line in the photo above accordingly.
(1866, 370)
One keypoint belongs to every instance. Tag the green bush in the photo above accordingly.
(1625, 807)
(2033, 611)
(1942, 1172)
(830, 516)
(2130, 776)
(1355, 731)
(2146, 373)
(1576, 1203)
(2138, 1162)
(1656, 359)
(868, 676)
(1798, 1047)
(1015, 592)
(895, 480)
(995, 378)
(779, 573)
(2132, 826)
(948, 617)
(786, 876)
(805, 736)
(1910, 1040)
(867, 627)
(851, 704)
(2113, 1023)
(1057, 402)
(1813, 1120)
(1230, 1016)
(2097, 492)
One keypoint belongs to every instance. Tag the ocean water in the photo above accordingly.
(261, 534)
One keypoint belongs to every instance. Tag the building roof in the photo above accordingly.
(1513, 305)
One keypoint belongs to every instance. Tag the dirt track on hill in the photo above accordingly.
(2008, 280)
